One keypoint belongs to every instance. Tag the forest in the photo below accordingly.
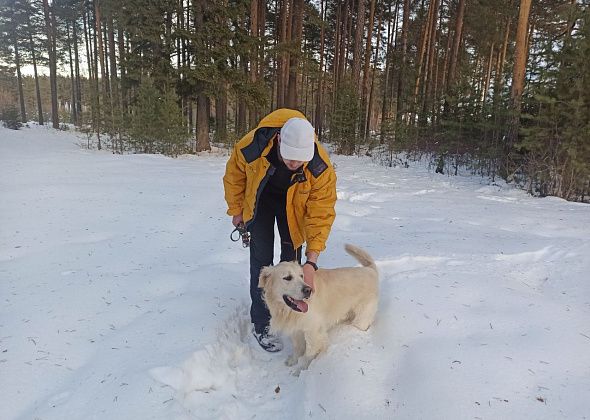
(498, 88)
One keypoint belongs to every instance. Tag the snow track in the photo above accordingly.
(123, 297)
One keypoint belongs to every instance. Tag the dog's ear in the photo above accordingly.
(264, 276)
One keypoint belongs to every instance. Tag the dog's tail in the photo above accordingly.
(362, 256)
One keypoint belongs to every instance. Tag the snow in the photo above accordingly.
(123, 297)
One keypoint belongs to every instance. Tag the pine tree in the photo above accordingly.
(343, 122)
(10, 117)
(555, 148)
(156, 122)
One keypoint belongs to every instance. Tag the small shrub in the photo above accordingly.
(10, 118)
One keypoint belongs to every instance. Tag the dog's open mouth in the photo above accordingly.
(296, 305)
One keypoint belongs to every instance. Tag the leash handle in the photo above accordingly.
(243, 233)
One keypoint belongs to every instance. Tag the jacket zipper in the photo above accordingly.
(269, 172)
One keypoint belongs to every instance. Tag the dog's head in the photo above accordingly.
(284, 283)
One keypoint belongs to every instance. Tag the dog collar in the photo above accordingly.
(314, 265)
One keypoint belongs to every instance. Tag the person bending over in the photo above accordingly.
(279, 172)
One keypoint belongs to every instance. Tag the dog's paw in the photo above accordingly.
(297, 371)
(291, 360)
(301, 366)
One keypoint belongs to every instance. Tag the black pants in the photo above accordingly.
(270, 207)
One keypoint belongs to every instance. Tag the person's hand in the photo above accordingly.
(308, 275)
(236, 220)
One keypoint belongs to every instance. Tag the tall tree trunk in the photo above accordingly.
(320, 91)
(181, 57)
(371, 90)
(122, 69)
(519, 69)
(499, 119)
(343, 39)
(435, 94)
(21, 96)
(106, 71)
(242, 64)
(386, 76)
(202, 131)
(499, 77)
(429, 73)
(74, 107)
(305, 80)
(179, 39)
(101, 55)
(296, 36)
(94, 104)
(365, 85)
(423, 56)
(448, 53)
(348, 40)
(202, 124)
(390, 91)
(358, 39)
(400, 81)
(337, 36)
(337, 57)
(98, 32)
(487, 76)
(94, 41)
(253, 115)
(114, 82)
(281, 58)
(37, 88)
(50, 32)
(241, 120)
(113, 61)
(77, 68)
(456, 43)
(262, 70)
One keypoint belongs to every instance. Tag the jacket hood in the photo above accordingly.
(277, 118)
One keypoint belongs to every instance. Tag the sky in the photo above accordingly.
(124, 298)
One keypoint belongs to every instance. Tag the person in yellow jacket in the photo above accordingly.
(280, 172)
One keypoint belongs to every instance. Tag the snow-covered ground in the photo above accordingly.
(122, 296)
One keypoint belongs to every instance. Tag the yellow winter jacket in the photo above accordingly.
(310, 201)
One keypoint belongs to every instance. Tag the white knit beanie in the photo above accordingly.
(297, 140)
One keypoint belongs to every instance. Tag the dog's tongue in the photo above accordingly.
(301, 305)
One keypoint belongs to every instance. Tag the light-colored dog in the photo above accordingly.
(339, 295)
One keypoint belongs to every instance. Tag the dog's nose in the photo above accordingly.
(306, 291)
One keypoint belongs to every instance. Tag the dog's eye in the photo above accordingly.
(288, 278)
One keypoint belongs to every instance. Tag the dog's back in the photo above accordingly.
(338, 290)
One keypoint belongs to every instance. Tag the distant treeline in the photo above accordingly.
(500, 87)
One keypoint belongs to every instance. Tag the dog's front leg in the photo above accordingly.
(315, 343)
(298, 341)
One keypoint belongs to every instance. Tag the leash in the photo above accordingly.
(243, 233)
